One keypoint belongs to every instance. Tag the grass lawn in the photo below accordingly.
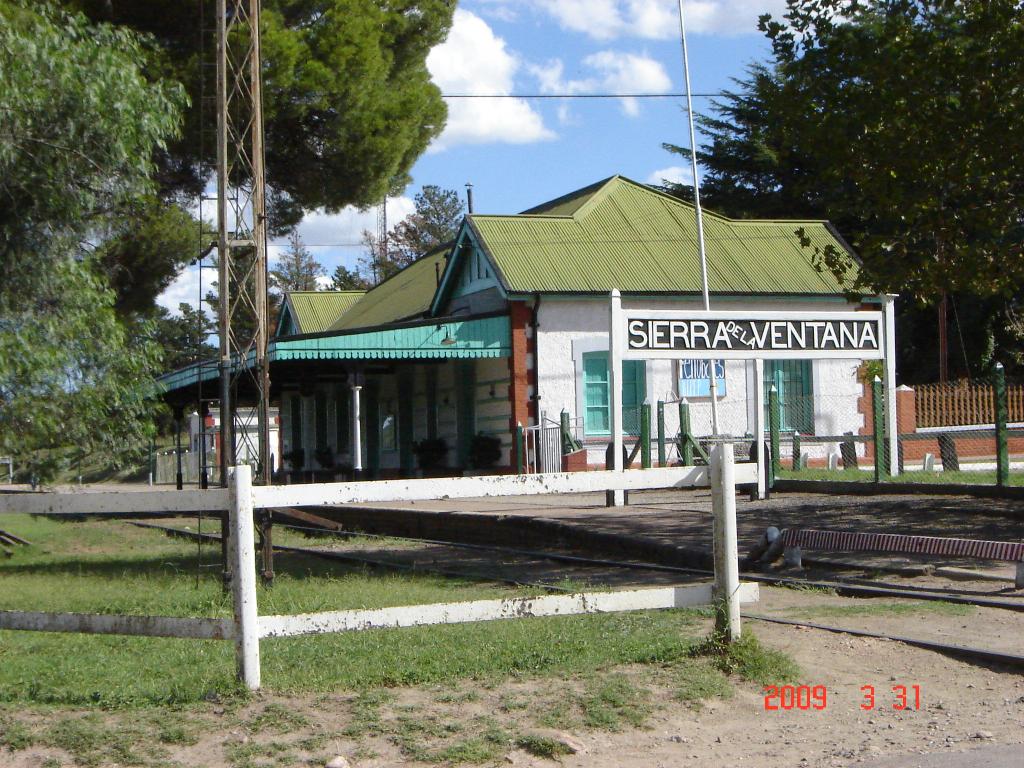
(963, 477)
(454, 694)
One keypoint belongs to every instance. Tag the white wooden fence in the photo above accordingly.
(241, 499)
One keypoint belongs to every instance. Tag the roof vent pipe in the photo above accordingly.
(469, 197)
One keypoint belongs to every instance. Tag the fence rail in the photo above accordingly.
(963, 403)
(241, 499)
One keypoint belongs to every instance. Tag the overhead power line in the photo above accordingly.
(579, 95)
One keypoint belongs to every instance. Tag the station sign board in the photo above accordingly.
(752, 335)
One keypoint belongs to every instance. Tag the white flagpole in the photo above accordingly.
(712, 376)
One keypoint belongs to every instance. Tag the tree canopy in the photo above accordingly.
(75, 145)
(898, 122)
(348, 102)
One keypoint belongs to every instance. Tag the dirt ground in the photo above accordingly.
(963, 706)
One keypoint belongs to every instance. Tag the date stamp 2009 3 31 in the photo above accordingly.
(808, 697)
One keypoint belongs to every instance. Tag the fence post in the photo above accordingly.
(243, 554)
(517, 446)
(727, 572)
(179, 478)
(685, 436)
(563, 420)
(1002, 416)
(645, 435)
(878, 430)
(661, 433)
(797, 464)
(774, 419)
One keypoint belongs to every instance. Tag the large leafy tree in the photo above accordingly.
(184, 337)
(75, 145)
(147, 244)
(349, 104)
(895, 120)
(908, 112)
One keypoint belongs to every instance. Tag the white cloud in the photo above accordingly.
(475, 60)
(612, 72)
(676, 174)
(651, 19)
(184, 290)
(332, 238)
(728, 17)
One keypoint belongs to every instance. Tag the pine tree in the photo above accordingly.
(296, 270)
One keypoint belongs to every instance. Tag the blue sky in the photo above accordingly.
(521, 152)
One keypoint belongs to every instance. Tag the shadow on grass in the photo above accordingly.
(107, 566)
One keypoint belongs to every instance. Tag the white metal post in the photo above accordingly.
(357, 437)
(891, 427)
(759, 427)
(727, 570)
(615, 387)
(705, 291)
(242, 546)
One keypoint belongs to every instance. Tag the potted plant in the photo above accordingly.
(325, 457)
(430, 453)
(296, 457)
(484, 451)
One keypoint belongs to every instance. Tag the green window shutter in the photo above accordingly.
(596, 400)
(634, 392)
(794, 383)
(595, 394)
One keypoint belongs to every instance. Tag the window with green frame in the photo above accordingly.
(596, 400)
(793, 382)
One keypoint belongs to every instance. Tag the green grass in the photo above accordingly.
(748, 659)
(111, 567)
(593, 672)
(543, 746)
(882, 608)
(963, 477)
(694, 683)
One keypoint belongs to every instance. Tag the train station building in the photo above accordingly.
(508, 326)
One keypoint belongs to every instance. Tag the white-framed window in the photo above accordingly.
(593, 399)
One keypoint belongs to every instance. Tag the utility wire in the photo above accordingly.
(580, 95)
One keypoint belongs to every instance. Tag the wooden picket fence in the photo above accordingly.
(959, 403)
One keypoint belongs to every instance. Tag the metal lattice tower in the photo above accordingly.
(242, 237)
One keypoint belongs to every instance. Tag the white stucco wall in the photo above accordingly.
(571, 326)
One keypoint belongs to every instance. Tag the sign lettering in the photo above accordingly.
(755, 335)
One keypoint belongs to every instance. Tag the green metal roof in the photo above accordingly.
(479, 337)
(403, 295)
(317, 311)
(621, 234)
(189, 376)
(476, 338)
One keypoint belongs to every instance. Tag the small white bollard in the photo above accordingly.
(833, 461)
(727, 566)
(242, 546)
(929, 462)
